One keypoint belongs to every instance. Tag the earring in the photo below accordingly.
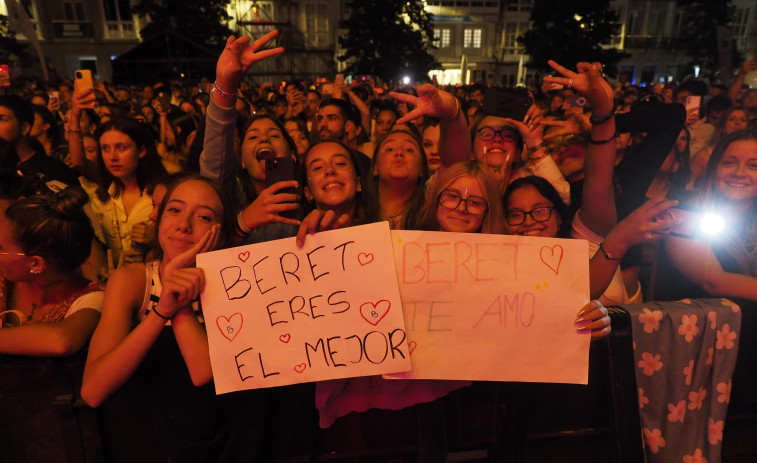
(375, 173)
(35, 271)
(243, 166)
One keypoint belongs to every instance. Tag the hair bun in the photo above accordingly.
(69, 202)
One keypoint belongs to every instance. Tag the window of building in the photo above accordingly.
(73, 11)
(633, 24)
(317, 23)
(441, 38)
(472, 38)
(119, 22)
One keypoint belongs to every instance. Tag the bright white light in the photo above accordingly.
(696, 71)
(112, 57)
(406, 80)
(711, 224)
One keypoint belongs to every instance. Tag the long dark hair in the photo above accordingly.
(548, 191)
(149, 169)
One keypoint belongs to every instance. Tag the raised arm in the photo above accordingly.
(597, 211)
(78, 160)
(218, 159)
(454, 136)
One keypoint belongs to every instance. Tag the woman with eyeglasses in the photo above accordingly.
(465, 199)
(506, 147)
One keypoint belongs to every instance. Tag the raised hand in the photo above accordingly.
(587, 81)
(430, 102)
(239, 55)
(180, 288)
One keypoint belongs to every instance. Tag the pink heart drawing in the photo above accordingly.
(285, 338)
(552, 257)
(231, 326)
(412, 345)
(365, 258)
(374, 313)
(243, 256)
(300, 368)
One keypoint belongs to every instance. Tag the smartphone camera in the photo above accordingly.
(711, 224)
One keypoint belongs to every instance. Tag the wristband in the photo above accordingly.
(230, 96)
(599, 120)
(607, 255)
(241, 225)
(155, 309)
(601, 142)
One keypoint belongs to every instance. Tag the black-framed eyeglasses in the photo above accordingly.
(538, 214)
(489, 134)
(474, 205)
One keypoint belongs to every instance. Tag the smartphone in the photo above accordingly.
(692, 224)
(339, 79)
(54, 99)
(281, 170)
(328, 89)
(164, 100)
(693, 102)
(84, 80)
(507, 102)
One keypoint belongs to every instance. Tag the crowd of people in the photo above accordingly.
(109, 193)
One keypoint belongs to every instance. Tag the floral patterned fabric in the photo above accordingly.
(685, 353)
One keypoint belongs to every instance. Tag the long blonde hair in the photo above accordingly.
(493, 221)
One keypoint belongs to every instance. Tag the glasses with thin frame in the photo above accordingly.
(5, 253)
(538, 214)
(474, 205)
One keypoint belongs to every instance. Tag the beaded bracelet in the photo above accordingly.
(228, 95)
(608, 256)
(598, 120)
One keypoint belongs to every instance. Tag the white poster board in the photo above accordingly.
(493, 307)
(278, 315)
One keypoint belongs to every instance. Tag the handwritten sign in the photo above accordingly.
(280, 315)
(493, 307)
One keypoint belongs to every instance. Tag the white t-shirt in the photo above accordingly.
(93, 300)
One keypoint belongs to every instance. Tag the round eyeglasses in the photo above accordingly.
(488, 134)
(474, 205)
(539, 214)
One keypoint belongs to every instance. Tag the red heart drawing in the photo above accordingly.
(231, 326)
(374, 313)
(552, 257)
(412, 345)
(285, 338)
(243, 256)
(365, 258)
(300, 368)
